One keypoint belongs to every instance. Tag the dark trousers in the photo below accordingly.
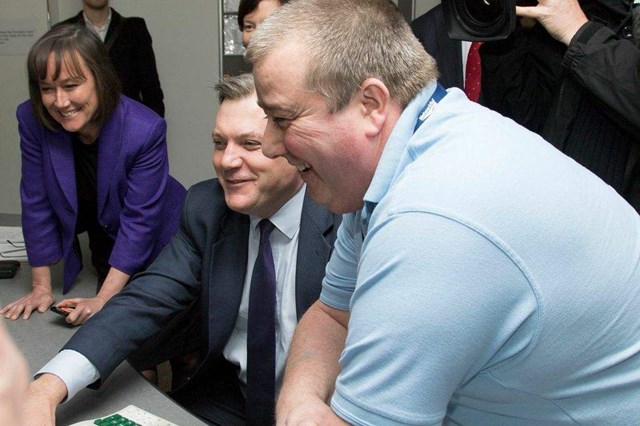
(214, 395)
(100, 245)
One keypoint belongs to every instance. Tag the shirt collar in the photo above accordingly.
(391, 162)
(104, 27)
(287, 219)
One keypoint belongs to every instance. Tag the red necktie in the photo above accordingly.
(473, 72)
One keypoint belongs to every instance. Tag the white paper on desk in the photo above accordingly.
(135, 414)
(12, 243)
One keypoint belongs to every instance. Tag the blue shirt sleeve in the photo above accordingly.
(341, 272)
(435, 302)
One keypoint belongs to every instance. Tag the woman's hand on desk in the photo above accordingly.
(84, 308)
(40, 298)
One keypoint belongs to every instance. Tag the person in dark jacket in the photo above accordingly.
(130, 48)
(570, 73)
(431, 30)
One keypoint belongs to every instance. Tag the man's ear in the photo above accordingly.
(375, 104)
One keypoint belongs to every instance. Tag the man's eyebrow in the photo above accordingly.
(242, 136)
(271, 109)
(251, 135)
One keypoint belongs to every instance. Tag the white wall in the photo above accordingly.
(185, 40)
(13, 89)
(423, 6)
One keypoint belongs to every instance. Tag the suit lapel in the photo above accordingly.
(109, 148)
(78, 19)
(113, 30)
(450, 56)
(313, 253)
(116, 21)
(227, 273)
(60, 148)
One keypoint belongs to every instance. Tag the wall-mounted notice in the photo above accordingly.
(16, 36)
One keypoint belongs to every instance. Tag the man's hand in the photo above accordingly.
(40, 298)
(43, 396)
(311, 413)
(561, 18)
(312, 368)
(84, 308)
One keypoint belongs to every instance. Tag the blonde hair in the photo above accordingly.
(235, 87)
(346, 42)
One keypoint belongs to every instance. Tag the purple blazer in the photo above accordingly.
(139, 204)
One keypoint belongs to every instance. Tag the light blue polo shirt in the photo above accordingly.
(490, 279)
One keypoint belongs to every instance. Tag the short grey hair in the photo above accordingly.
(235, 87)
(346, 42)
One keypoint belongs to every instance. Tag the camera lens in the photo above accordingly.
(481, 17)
(484, 12)
(480, 20)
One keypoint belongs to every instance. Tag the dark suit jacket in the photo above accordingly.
(431, 30)
(205, 260)
(129, 44)
(138, 203)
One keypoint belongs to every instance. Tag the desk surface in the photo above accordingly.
(43, 335)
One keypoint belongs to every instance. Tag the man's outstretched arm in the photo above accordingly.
(43, 396)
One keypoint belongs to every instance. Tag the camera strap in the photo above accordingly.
(428, 107)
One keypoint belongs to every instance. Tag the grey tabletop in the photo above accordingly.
(42, 336)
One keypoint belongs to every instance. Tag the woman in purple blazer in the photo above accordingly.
(92, 160)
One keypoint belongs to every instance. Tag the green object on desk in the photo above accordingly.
(115, 420)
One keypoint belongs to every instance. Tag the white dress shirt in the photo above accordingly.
(77, 372)
(101, 31)
(284, 246)
(464, 46)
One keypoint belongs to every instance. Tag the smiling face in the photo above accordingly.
(255, 18)
(71, 99)
(335, 153)
(253, 184)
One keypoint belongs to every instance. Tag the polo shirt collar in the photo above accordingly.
(391, 163)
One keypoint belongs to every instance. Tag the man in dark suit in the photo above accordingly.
(209, 262)
(431, 30)
(129, 45)
(458, 60)
(567, 72)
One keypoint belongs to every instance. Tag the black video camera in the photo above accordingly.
(481, 20)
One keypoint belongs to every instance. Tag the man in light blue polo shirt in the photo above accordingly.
(479, 277)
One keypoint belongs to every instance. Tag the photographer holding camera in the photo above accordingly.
(569, 72)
